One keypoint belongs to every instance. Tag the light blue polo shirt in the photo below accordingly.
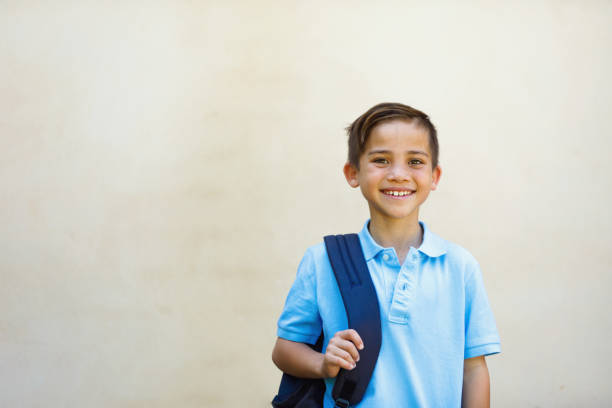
(434, 314)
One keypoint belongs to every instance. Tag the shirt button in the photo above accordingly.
(386, 257)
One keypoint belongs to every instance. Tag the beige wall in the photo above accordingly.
(163, 166)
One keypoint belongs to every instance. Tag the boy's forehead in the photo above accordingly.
(399, 133)
(398, 125)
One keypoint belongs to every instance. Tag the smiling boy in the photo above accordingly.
(436, 321)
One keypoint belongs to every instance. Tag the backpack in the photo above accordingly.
(361, 304)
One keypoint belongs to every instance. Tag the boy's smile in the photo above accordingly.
(395, 172)
(398, 193)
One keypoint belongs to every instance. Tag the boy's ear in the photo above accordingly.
(437, 172)
(350, 172)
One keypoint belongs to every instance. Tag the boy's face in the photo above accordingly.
(395, 172)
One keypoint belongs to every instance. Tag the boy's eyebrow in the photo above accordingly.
(418, 152)
(388, 151)
(378, 152)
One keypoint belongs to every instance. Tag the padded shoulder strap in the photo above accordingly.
(361, 304)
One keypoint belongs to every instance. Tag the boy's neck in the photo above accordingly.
(399, 234)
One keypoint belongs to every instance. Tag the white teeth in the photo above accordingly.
(397, 193)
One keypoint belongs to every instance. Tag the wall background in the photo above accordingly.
(163, 166)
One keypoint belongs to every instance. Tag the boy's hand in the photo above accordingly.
(341, 352)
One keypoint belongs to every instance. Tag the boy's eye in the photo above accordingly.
(380, 160)
(415, 162)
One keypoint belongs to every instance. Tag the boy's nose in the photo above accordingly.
(398, 173)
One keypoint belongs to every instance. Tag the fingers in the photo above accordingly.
(352, 336)
(349, 350)
(339, 357)
(344, 345)
(341, 352)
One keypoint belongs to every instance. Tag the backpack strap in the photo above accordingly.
(361, 304)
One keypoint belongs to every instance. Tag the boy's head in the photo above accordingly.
(393, 158)
(360, 129)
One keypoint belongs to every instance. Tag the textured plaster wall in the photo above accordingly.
(163, 166)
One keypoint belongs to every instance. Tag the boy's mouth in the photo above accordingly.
(398, 193)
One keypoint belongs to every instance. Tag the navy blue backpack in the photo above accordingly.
(361, 304)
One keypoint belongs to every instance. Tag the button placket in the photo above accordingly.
(389, 272)
(404, 293)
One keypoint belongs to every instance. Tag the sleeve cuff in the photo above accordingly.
(297, 337)
(482, 350)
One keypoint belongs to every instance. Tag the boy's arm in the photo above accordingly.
(475, 383)
(299, 360)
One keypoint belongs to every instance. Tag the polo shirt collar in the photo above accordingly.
(432, 245)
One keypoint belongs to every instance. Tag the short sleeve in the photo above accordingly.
(300, 320)
(481, 336)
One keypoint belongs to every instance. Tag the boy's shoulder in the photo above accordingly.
(458, 253)
(316, 250)
(434, 246)
(315, 257)
(454, 255)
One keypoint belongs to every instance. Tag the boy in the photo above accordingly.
(436, 322)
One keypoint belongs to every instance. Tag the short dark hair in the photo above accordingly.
(359, 131)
